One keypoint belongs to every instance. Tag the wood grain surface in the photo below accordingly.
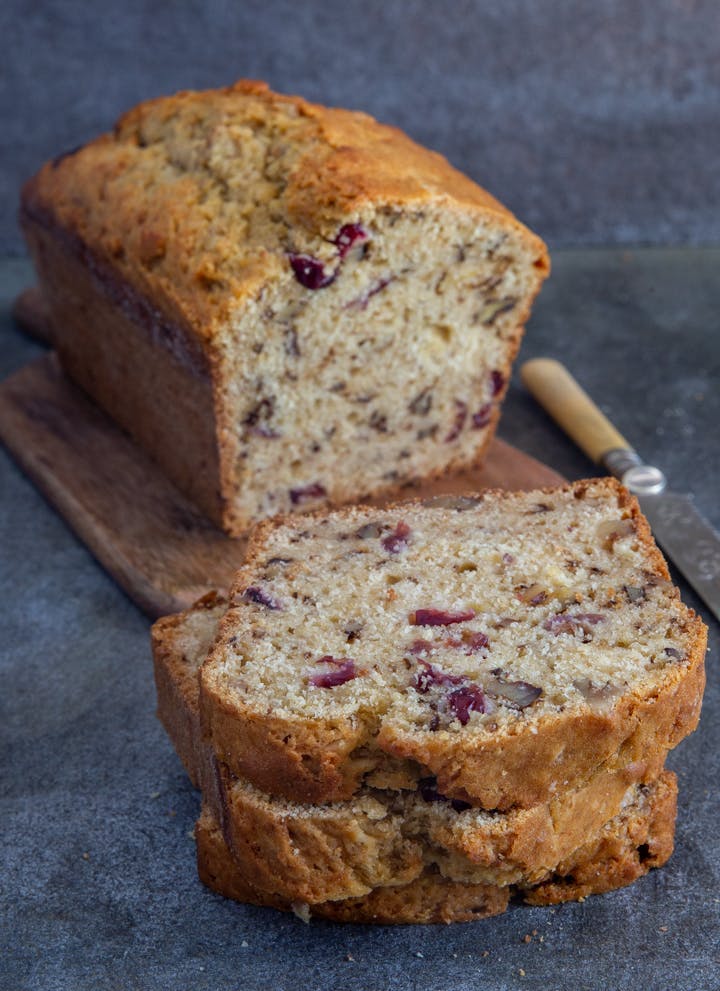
(147, 535)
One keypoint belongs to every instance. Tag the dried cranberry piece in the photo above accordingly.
(466, 699)
(459, 422)
(497, 382)
(307, 492)
(258, 595)
(482, 417)
(310, 272)
(420, 647)
(428, 676)
(439, 617)
(342, 670)
(569, 623)
(471, 642)
(348, 236)
(398, 539)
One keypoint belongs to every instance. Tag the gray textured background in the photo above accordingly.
(596, 122)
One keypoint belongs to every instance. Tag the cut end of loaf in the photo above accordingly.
(390, 370)
(343, 304)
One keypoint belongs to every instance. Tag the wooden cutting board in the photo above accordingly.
(150, 538)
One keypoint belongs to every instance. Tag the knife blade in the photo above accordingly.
(685, 535)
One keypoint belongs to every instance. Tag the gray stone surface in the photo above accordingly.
(596, 122)
(99, 890)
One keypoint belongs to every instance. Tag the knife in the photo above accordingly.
(687, 538)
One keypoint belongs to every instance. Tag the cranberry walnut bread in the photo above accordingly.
(316, 853)
(505, 645)
(285, 304)
(363, 860)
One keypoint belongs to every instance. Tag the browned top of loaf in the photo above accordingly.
(196, 198)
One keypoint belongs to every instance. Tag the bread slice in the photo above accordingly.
(315, 853)
(231, 274)
(505, 644)
(428, 898)
(380, 836)
(180, 644)
(624, 850)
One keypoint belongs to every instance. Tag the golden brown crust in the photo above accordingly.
(165, 224)
(166, 400)
(179, 643)
(612, 859)
(375, 874)
(317, 760)
(428, 898)
(318, 853)
(517, 770)
(617, 858)
(348, 161)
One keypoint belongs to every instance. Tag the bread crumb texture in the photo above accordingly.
(470, 623)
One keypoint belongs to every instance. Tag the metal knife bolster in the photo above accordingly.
(629, 467)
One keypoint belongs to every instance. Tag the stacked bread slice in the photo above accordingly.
(416, 713)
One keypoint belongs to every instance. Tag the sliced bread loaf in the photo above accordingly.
(505, 644)
(378, 837)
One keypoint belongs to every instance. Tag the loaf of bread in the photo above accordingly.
(284, 304)
(504, 645)
(639, 838)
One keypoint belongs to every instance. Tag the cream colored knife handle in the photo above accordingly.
(572, 409)
(570, 406)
